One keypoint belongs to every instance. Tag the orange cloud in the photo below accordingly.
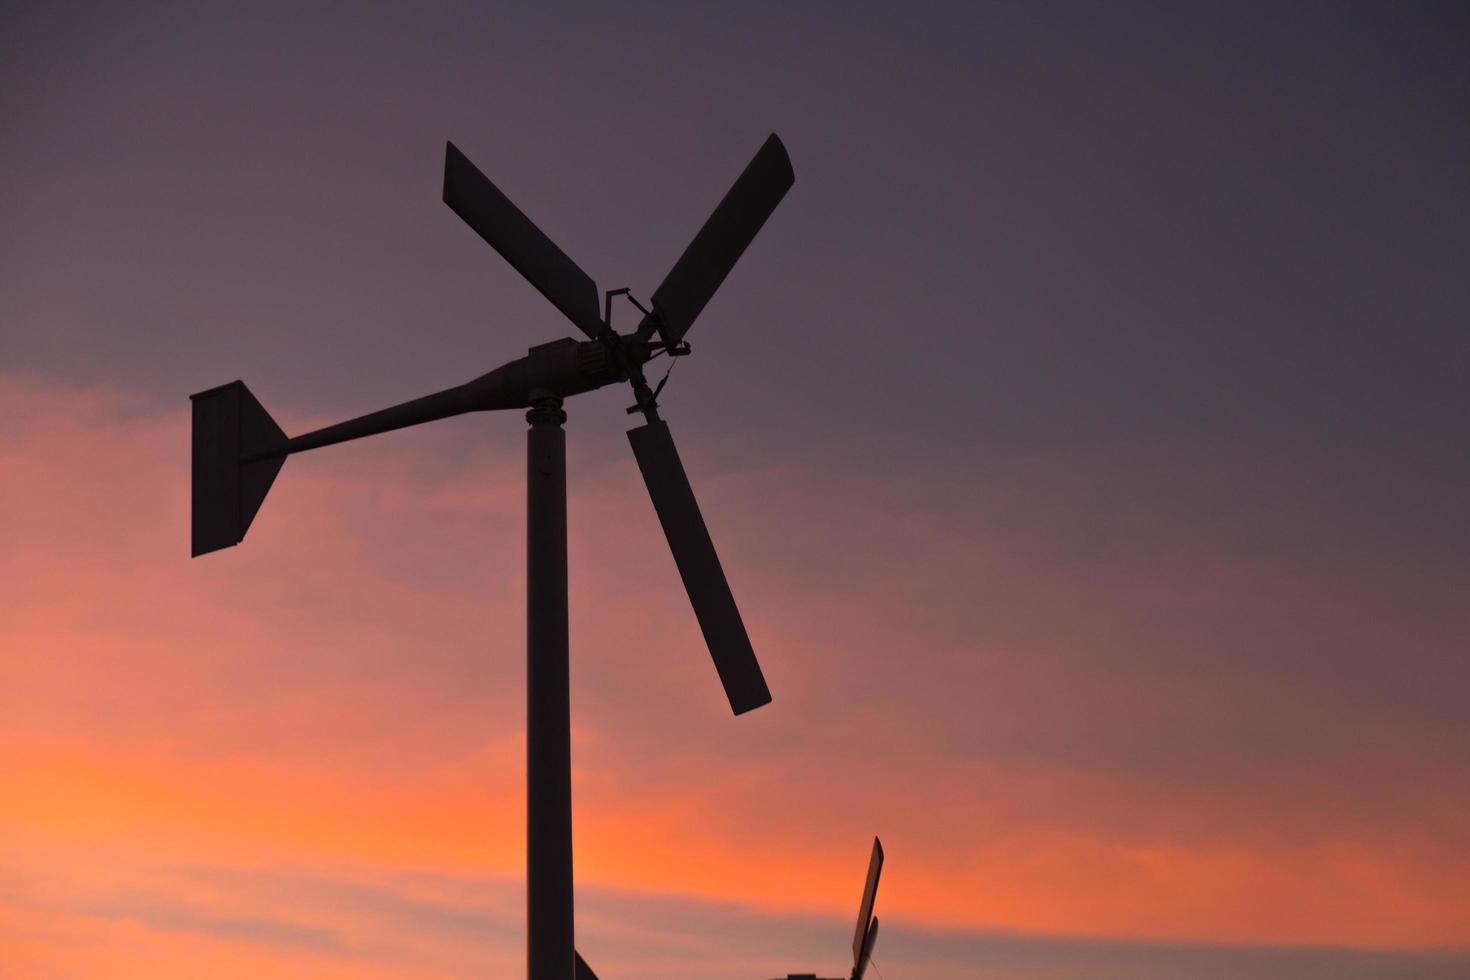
(346, 690)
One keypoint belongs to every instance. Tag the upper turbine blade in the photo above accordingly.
(712, 254)
(485, 209)
(870, 892)
(699, 567)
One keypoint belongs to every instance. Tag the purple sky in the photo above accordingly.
(1103, 384)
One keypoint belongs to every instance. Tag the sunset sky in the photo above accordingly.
(1086, 439)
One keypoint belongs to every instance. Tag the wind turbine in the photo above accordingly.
(865, 936)
(238, 449)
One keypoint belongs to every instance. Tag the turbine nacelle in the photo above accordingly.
(560, 369)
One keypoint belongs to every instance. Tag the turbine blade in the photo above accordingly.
(584, 972)
(869, 941)
(485, 209)
(724, 237)
(699, 567)
(870, 892)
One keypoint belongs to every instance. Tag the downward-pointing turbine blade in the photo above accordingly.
(865, 910)
(699, 566)
(485, 209)
(724, 237)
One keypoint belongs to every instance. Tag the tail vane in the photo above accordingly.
(230, 426)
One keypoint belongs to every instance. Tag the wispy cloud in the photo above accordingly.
(327, 921)
(1053, 740)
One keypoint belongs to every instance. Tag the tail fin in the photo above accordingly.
(229, 426)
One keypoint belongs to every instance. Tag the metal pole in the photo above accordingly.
(549, 933)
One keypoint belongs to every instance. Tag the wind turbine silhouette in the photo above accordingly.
(238, 450)
(865, 936)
